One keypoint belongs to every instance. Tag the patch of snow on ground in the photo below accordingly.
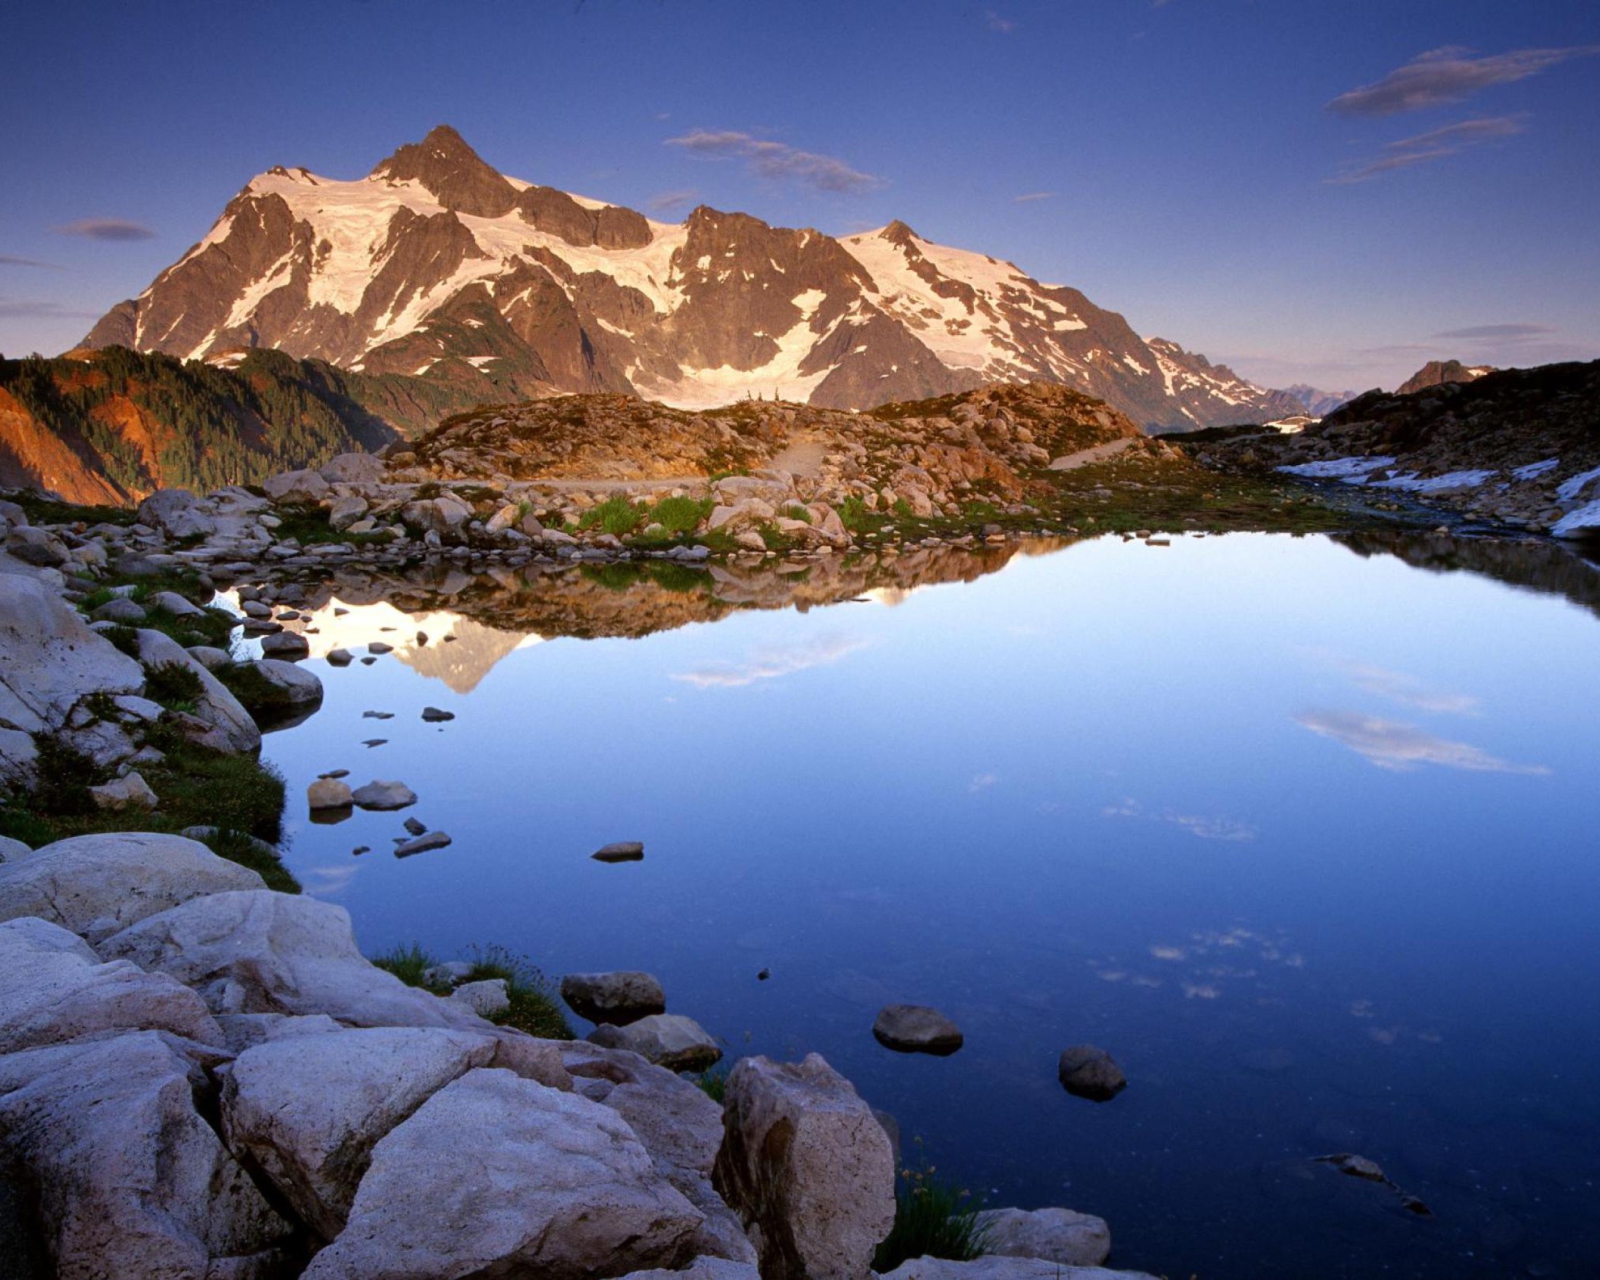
(1573, 486)
(1351, 469)
(1580, 521)
(1412, 483)
(1536, 469)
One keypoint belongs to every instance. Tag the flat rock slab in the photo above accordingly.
(495, 1175)
(622, 851)
(308, 1109)
(915, 1028)
(1057, 1235)
(422, 844)
(619, 998)
(98, 884)
(667, 1039)
(1086, 1071)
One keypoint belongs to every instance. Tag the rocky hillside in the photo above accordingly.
(1437, 372)
(110, 426)
(437, 266)
(1518, 446)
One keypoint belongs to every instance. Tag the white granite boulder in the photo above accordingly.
(230, 727)
(1057, 1235)
(96, 885)
(669, 1040)
(807, 1167)
(49, 658)
(265, 952)
(53, 989)
(495, 1175)
(308, 1109)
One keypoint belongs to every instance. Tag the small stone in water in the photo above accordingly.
(414, 827)
(623, 851)
(763, 975)
(433, 715)
(335, 773)
(377, 715)
(374, 742)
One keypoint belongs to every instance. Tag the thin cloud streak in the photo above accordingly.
(1032, 196)
(1448, 75)
(777, 160)
(109, 230)
(38, 309)
(1205, 828)
(668, 201)
(998, 22)
(1399, 687)
(1436, 144)
(1500, 332)
(772, 664)
(1389, 744)
(7, 260)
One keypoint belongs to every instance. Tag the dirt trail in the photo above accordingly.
(1099, 453)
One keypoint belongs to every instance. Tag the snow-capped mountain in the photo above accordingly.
(437, 266)
(1319, 404)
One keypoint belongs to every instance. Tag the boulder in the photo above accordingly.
(264, 952)
(54, 989)
(1086, 1071)
(11, 850)
(344, 511)
(178, 513)
(485, 998)
(97, 885)
(120, 610)
(127, 792)
(246, 1030)
(384, 796)
(495, 1175)
(285, 645)
(212, 659)
(436, 515)
(807, 1167)
(620, 998)
(228, 725)
(353, 468)
(301, 689)
(667, 1039)
(49, 658)
(38, 547)
(308, 1109)
(132, 1182)
(1057, 1235)
(171, 602)
(19, 755)
(296, 488)
(328, 793)
(680, 1127)
(704, 1268)
(915, 1028)
(1000, 1267)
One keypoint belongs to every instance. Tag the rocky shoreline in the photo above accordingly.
(202, 1076)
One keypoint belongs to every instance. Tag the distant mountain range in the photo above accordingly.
(1319, 404)
(436, 267)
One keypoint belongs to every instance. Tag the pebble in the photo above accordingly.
(622, 851)
(435, 716)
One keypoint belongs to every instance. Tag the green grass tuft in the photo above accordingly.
(409, 963)
(932, 1219)
(713, 1082)
(618, 515)
(680, 516)
(535, 1006)
(175, 686)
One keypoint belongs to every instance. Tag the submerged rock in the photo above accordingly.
(619, 998)
(384, 796)
(622, 851)
(422, 844)
(1086, 1071)
(914, 1028)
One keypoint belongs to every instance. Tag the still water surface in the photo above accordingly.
(1307, 839)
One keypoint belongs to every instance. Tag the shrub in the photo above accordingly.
(713, 1082)
(932, 1219)
(618, 515)
(174, 685)
(680, 516)
(535, 1006)
(409, 963)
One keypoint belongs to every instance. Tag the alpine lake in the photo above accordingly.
(1304, 831)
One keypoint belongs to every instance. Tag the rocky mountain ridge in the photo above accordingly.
(1438, 372)
(437, 266)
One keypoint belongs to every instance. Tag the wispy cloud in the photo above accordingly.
(771, 664)
(1448, 75)
(1205, 828)
(1408, 690)
(998, 22)
(1436, 144)
(777, 160)
(1499, 332)
(982, 782)
(38, 309)
(670, 201)
(106, 229)
(1390, 744)
(7, 260)
(1031, 196)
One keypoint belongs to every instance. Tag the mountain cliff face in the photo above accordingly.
(110, 427)
(1438, 372)
(437, 266)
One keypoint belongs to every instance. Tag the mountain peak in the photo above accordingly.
(456, 174)
(899, 233)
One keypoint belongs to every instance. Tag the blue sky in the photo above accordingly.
(1321, 192)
